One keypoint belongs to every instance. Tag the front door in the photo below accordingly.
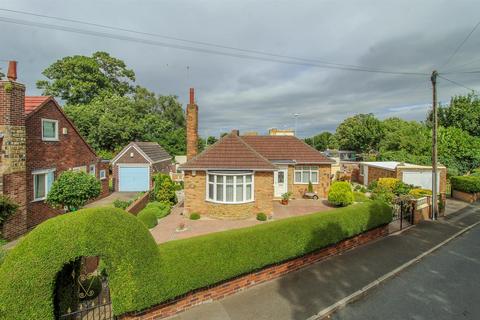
(281, 181)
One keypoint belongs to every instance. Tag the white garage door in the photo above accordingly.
(422, 179)
(133, 178)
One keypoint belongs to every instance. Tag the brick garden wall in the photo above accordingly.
(465, 196)
(246, 281)
(138, 204)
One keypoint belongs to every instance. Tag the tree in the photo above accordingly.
(73, 189)
(164, 189)
(80, 79)
(361, 133)
(457, 150)
(211, 140)
(410, 137)
(321, 141)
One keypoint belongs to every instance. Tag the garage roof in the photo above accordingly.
(151, 151)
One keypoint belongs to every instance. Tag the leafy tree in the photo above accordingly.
(73, 189)
(361, 133)
(463, 112)
(458, 150)
(164, 189)
(410, 137)
(322, 141)
(80, 79)
(211, 140)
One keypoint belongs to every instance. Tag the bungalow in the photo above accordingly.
(37, 143)
(240, 176)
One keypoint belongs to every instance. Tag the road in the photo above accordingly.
(443, 285)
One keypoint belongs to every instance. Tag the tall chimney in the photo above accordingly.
(192, 127)
(12, 71)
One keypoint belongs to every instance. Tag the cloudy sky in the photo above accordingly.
(254, 94)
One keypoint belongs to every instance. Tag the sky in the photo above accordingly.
(254, 94)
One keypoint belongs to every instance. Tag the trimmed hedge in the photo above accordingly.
(360, 197)
(340, 194)
(419, 193)
(148, 217)
(162, 209)
(470, 184)
(126, 248)
(142, 276)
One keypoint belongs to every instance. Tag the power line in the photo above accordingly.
(185, 40)
(195, 49)
(461, 44)
(456, 83)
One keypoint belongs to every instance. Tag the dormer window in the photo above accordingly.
(49, 130)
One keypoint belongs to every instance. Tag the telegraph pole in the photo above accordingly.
(433, 78)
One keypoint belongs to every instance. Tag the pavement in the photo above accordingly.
(304, 294)
(442, 286)
(108, 200)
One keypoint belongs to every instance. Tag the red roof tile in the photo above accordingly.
(285, 148)
(229, 153)
(33, 102)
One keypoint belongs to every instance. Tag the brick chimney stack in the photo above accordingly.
(192, 127)
(13, 150)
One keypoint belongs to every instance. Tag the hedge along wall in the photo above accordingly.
(27, 276)
(142, 275)
(470, 184)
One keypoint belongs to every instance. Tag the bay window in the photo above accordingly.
(229, 187)
(306, 174)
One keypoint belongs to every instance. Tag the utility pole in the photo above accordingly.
(433, 78)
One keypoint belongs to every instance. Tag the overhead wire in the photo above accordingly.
(456, 83)
(461, 44)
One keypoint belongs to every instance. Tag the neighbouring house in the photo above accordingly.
(413, 174)
(134, 166)
(240, 176)
(38, 142)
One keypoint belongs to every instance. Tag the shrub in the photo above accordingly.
(401, 188)
(261, 216)
(148, 217)
(194, 216)
(162, 209)
(310, 187)
(383, 194)
(476, 172)
(388, 183)
(360, 197)
(7, 208)
(286, 195)
(419, 193)
(164, 189)
(122, 204)
(340, 194)
(73, 189)
(470, 184)
(372, 186)
(29, 271)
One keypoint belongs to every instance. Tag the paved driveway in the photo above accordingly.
(108, 200)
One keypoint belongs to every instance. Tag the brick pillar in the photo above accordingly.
(13, 152)
(192, 127)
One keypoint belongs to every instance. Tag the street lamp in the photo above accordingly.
(296, 115)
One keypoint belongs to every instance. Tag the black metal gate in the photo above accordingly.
(82, 291)
(403, 214)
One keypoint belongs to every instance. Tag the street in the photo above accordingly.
(443, 285)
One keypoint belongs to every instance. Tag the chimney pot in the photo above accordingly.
(12, 71)
(192, 96)
(235, 132)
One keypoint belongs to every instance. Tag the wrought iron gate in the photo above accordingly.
(403, 214)
(82, 291)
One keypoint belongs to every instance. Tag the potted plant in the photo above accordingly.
(285, 197)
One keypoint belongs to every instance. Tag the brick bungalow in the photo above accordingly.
(240, 176)
(37, 142)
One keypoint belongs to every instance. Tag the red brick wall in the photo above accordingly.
(15, 188)
(192, 130)
(139, 204)
(241, 283)
(68, 152)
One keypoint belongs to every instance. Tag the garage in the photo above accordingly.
(133, 178)
(421, 179)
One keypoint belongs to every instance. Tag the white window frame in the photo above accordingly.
(301, 169)
(80, 168)
(235, 175)
(56, 130)
(103, 174)
(38, 173)
(92, 170)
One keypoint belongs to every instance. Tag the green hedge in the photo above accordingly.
(142, 276)
(470, 184)
(162, 209)
(127, 249)
(148, 217)
(340, 194)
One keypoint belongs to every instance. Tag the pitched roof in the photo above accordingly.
(33, 102)
(229, 153)
(153, 150)
(286, 148)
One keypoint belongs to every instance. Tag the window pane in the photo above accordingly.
(219, 179)
(248, 178)
(239, 192)
(248, 195)
(314, 176)
(298, 176)
(305, 177)
(229, 179)
(210, 191)
(281, 178)
(50, 178)
(39, 181)
(211, 178)
(229, 193)
(49, 129)
(219, 191)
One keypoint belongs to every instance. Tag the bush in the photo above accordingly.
(142, 274)
(372, 186)
(148, 217)
(122, 204)
(340, 194)
(7, 208)
(194, 216)
(73, 189)
(360, 197)
(419, 193)
(164, 189)
(470, 184)
(388, 183)
(476, 172)
(261, 216)
(28, 274)
(382, 194)
(162, 209)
